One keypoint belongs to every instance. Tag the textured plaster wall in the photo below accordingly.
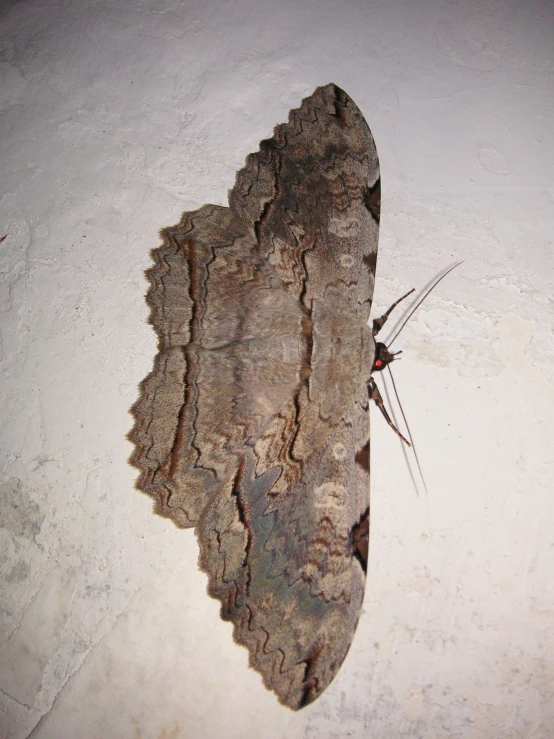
(115, 116)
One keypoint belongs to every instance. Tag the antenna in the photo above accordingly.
(384, 357)
(419, 302)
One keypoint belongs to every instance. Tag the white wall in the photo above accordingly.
(117, 115)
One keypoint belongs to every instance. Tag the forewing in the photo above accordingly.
(285, 546)
(312, 196)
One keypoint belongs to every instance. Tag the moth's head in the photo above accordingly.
(382, 357)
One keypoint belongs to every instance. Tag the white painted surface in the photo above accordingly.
(115, 117)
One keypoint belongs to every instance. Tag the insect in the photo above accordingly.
(253, 426)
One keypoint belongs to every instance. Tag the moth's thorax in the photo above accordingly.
(342, 353)
(289, 349)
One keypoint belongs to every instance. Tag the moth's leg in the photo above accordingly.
(378, 323)
(375, 395)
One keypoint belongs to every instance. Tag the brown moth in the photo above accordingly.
(253, 426)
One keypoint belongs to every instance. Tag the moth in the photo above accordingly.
(253, 426)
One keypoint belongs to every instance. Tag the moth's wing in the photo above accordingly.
(312, 197)
(216, 304)
(285, 542)
(286, 551)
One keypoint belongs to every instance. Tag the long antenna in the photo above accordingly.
(419, 302)
(407, 429)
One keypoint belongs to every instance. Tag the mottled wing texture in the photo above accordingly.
(253, 425)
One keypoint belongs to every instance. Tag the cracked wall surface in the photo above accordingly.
(114, 118)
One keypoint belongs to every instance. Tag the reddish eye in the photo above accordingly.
(378, 363)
